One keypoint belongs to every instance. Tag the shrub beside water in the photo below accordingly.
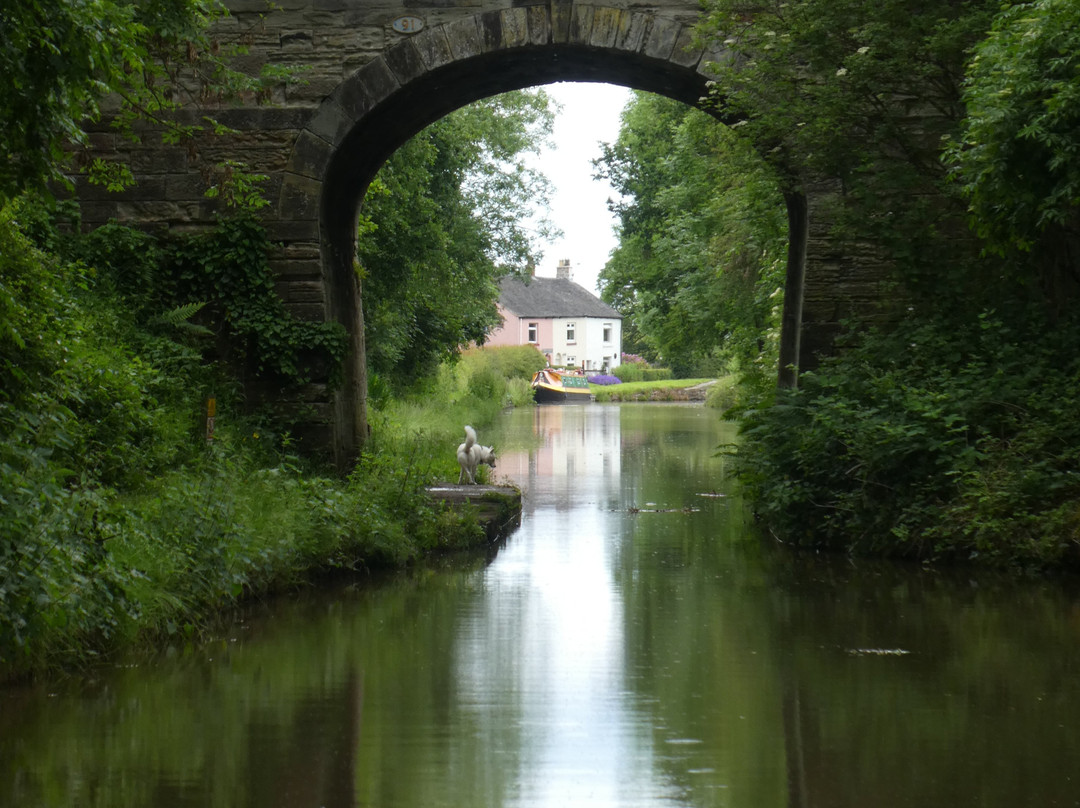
(944, 439)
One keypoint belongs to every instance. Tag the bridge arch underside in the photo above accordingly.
(418, 81)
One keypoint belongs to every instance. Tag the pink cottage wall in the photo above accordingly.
(515, 330)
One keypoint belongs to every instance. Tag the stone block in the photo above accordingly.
(433, 47)
(581, 22)
(421, 4)
(515, 27)
(312, 91)
(296, 40)
(686, 51)
(662, 38)
(633, 30)
(369, 85)
(539, 22)
(353, 38)
(561, 14)
(296, 270)
(146, 189)
(330, 123)
(162, 212)
(299, 198)
(404, 61)
(464, 38)
(300, 293)
(289, 230)
(88, 192)
(310, 156)
(605, 27)
(299, 251)
(98, 213)
(184, 187)
(491, 31)
(246, 6)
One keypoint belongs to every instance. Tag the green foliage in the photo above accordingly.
(78, 414)
(949, 437)
(116, 517)
(230, 268)
(1016, 158)
(442, 222)
(656, 374)
(509, 362)
(62, 58)
(700, 256)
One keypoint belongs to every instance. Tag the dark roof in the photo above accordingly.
(552, 297)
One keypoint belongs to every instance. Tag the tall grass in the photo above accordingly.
(472, 391)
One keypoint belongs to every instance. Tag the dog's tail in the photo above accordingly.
(470, 437)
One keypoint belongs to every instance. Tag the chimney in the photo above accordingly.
(564, 272)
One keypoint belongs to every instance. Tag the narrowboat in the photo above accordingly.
(552, 386)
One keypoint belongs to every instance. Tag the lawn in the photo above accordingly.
(661, 390)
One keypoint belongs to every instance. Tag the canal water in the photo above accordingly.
(633, 645)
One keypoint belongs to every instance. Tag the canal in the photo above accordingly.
(633, 644)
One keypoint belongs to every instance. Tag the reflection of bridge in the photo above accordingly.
(369, 88)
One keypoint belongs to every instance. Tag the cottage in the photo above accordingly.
(566, 323)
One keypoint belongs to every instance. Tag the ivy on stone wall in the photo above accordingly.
(229, 267)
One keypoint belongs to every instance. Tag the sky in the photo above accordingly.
(579, 203)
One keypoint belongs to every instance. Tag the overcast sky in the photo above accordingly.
(579, 204)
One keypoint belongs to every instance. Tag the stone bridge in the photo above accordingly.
(379, 71)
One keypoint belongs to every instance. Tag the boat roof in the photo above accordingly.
(552, 297)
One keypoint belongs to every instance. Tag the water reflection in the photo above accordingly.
(632, 645)
(581, 740)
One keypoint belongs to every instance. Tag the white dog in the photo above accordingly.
(470, 455)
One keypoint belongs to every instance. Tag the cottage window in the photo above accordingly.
(534, 333)
(607, 332)
(570, 332)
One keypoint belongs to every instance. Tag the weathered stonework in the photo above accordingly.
(366, 90)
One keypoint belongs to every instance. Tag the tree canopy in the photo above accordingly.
(1018, 154)
(444, 219)
(701, 229)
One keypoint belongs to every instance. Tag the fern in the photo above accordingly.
(180, 318)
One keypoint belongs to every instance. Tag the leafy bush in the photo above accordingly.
(942, 439)
(631, 372)
(519, 392)
(517, 361)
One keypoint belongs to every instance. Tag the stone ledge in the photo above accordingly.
(498, 506)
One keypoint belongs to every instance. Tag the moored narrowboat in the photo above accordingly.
(552, 386)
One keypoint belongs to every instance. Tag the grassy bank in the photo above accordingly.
(119, 522)
(238, 519)
(715, 392)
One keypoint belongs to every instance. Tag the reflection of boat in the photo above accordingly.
(551, 386)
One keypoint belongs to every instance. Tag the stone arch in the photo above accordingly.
(424, 77)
